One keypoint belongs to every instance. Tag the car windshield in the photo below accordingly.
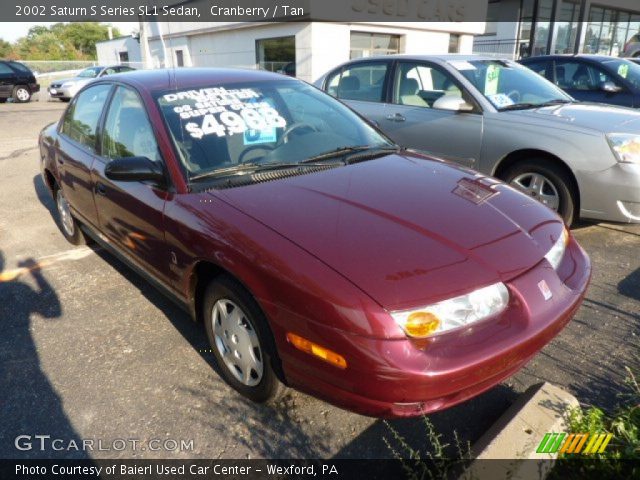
(508, 85)
(218, 127)
(626, 69)
(91, 72)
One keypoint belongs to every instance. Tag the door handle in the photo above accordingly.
(101, 189)
(396, 117)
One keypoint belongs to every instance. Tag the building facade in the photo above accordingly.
(558, 27)
(121, 50)
(306, 49)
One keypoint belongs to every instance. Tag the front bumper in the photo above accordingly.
(612, 195)
(62, 92)
(403, 378)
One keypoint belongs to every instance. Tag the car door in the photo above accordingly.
(7, 78)
(584, 81)
(362, 86)
(414, 119)
(76, 150)
(131, 213)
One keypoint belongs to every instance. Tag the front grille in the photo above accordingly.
(56, 85)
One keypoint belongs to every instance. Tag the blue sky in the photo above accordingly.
(12, 31)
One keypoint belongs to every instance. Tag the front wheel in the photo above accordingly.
(241, 341)
(546, 182)
(68, 224)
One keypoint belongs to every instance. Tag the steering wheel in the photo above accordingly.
(295, 126)
(514, 95)
(251, 149)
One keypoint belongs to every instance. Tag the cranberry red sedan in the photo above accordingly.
(317, 254)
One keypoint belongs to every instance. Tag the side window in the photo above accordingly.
(4, 68)
(81, 120)
(127, 130)
(581, 76)
(363, 82)
(108, 71)
(421, 85)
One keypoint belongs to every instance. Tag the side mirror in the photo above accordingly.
(134, 169)
(453, 104)
(610, 87)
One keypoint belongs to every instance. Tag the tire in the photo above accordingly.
(68, 225)
(559, 184)
(250, 337)
(21, 94)
(65, 100)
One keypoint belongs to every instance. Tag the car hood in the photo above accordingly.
(405, 230)
(73, 80)
(592, 116)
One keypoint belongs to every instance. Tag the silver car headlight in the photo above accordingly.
(454, 313)
(555, 255)
(625, 146)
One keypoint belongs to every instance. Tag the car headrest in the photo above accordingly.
(409, 86)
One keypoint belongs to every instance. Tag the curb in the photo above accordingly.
(515, 436)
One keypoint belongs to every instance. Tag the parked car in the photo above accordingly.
(316, 252)
(591, 78)
(632, 47)
(502, 119)
(66, 88)
(16, 82)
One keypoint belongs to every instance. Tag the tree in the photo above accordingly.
(6, 49)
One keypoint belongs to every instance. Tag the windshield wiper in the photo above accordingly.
(348, 150)
(528, 106)
(254, 168)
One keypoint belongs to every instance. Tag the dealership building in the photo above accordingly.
(558, 27)
(307, 49)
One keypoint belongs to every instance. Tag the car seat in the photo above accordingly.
(409, 89)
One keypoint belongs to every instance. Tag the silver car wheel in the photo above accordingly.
(22, 94)
(539, 187)
(65, 214)
(237, 342)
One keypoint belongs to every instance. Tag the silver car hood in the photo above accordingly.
(592, 116)
(73, 80)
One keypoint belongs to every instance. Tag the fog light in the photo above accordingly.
(316, 350)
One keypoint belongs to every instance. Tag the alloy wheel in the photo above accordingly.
(65, 214)
(539, 187)
(22, 94)
(237, 342)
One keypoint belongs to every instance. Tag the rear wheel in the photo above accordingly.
(21, 94)
(546, 182)
(241, 340)
(68, 224)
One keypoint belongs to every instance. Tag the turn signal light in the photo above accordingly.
(316, 350)
(421, 324)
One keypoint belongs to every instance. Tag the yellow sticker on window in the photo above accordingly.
(623, 70)
(492, 80)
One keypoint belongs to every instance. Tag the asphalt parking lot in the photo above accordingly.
(88, 350)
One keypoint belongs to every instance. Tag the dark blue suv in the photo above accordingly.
(591, 78)
(16, 81)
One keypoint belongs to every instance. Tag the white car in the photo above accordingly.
(66, 88)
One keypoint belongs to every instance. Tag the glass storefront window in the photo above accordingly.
(609, 30)
(276, 54)
(567, 27)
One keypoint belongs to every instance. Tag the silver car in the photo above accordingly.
(498, 117)
(632, 47)
(66, 88)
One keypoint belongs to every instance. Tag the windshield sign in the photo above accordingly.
(508, 85)
(265, 123)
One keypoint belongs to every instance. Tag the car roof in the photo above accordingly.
(433, 58)
(579, 56)
(182, 78)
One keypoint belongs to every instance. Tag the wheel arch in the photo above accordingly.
(50, 180)
(519, 155)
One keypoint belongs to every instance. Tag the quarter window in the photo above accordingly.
(364, 82)
(127, 130)
(81, 120)
(4, 68)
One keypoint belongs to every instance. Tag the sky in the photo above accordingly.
(15, 30)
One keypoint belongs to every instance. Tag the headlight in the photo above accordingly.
(554, 256)
(453, 313)
(625, 146)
